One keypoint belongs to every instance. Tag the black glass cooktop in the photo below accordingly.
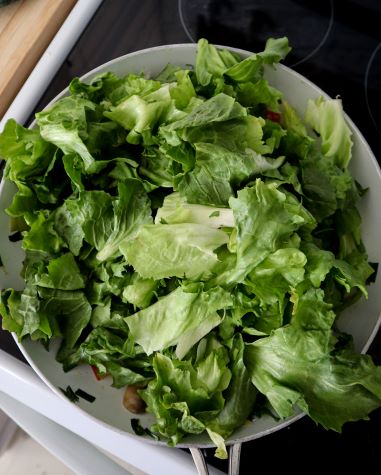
(337, 45)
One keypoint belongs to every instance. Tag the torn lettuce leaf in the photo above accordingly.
(184, 395)
(240, 395)
(249, 69)
(299, 365)
(183, 250)
(265, 216)
(196, 315)
(102, 220)
(228, 169)
(327, 118)
(64, 124)
(176, 210)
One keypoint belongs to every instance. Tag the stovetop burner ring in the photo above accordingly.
(372, 61)
(203, 19)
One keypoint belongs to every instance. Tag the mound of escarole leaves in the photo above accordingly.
(188, 234)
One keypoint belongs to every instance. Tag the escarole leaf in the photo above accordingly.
(176, 210)
(233, 134)
(181, 250)
(298, 365)
(23, 314)
(130, 212)
(265, 216)
(210, 62)
(104, 221)
(326, 117)
(218, 172)
(25, 151)
(186, 394)
(196, 314)
(64, 125)
(72, 313)
(140, 115)
(218, 108)
(62, 273)
(248, 69)
(240, 395)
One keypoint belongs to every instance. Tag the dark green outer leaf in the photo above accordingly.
(297, 365)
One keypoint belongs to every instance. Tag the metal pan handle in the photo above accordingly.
(234, 459)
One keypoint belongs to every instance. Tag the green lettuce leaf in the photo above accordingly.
(184, 90)
(297, 141)
(139, 292)
(26, 153)
(139, 116)
(176, 210)
(24, 314)
(265, 217)
(354, 272)
(228, 169)
(319, 263)
(252, 94)
(97, 89)
(11, 319)
(211, 62)
(217, 109)
(110, 354)
(62, 273)
(182, 250)
(240, 395)
(277, 275)
(24, 201)
(298, 365)
(71, 310)
(42, 235)
(64, 125)
(181, 398)
(250, 68)
(103, 221)
(236, 135)
(196, 315)
(29, 163)
(327, 118)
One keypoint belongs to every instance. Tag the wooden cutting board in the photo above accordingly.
(26, 29)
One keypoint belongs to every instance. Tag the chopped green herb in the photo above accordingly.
(215, 214)
(372, 278)
(84, 395)
(140, 430)
(70, 394)
(15, 236)
(137, 427)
